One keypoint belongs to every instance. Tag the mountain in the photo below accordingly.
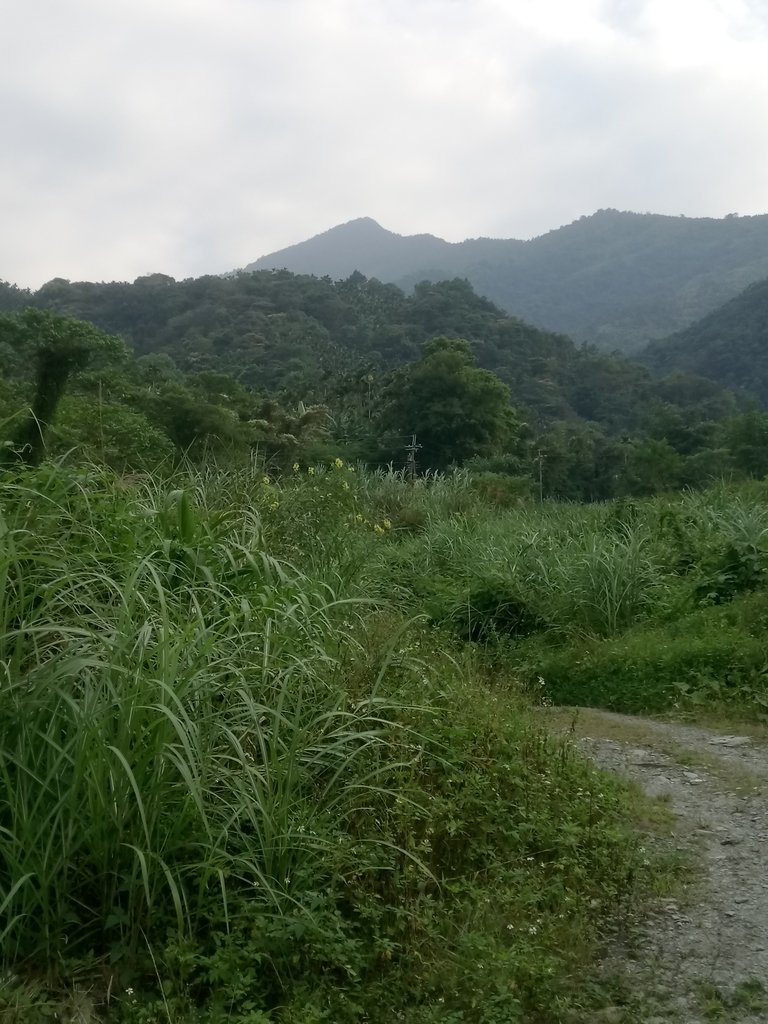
(615, 278)
(728, 346)
(365, 246)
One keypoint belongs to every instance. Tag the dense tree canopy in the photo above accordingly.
(729, 346)
(455, 409)
(56, 346)
(293, 368)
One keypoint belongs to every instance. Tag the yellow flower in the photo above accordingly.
(311, 470)
(378, 529)
(295, 467)
(338, 464)
(387, 524)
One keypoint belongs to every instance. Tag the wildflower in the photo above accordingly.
(129, 991)
(311, 470)
(338, 463)
(532, 930)
(387, 524)
(266, 481)
(359, 517)
(295, 467)
(344, 485)
(378, 529)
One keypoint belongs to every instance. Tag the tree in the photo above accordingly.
(283, 436)
(746, 438)
(456, 409)
(652, 467)
(111, 433)
(57, 346)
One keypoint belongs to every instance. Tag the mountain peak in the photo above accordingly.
(361, 244)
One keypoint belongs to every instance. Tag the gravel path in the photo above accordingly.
(703, 957)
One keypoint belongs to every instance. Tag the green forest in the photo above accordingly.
(294, 367)
(291, 573)
(729, 345)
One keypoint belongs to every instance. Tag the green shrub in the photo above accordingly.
(493, 609)
(651, 669)
(501, 489)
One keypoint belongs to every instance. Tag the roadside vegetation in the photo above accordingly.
(639, 606)
(270, 749)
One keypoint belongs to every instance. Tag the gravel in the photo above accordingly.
(715, 937)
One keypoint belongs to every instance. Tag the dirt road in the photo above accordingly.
(704, 955)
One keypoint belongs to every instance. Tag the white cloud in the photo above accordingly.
(195, 135)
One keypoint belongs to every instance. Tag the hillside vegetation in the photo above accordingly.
(616, 279)
(290, 364)
(729, 346)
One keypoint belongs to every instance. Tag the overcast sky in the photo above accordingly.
(193, 136)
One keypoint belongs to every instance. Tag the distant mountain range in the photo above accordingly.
(614, 278)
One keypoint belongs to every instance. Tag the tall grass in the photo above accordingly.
(172, 725)
(574, 574)
(231, 769)
(588, 598)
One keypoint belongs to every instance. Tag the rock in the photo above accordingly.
(729, 741)
(692, 778)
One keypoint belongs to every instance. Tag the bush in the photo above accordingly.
(493, 609)
(501, 489)
(698, 659)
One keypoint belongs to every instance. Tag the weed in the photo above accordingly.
(234, 788)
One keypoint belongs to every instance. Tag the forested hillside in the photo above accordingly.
(304, 336)
(294, 366)
(729, 346)
(617, 279)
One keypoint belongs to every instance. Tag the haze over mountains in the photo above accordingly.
(616, 279)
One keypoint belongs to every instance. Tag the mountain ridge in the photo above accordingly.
(370, 243)
(615, 278)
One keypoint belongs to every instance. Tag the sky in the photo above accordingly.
(193, 136)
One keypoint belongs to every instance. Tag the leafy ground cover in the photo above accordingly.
(264, 758)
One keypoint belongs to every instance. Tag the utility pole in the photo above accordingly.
(540, 460)
(410, 464)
